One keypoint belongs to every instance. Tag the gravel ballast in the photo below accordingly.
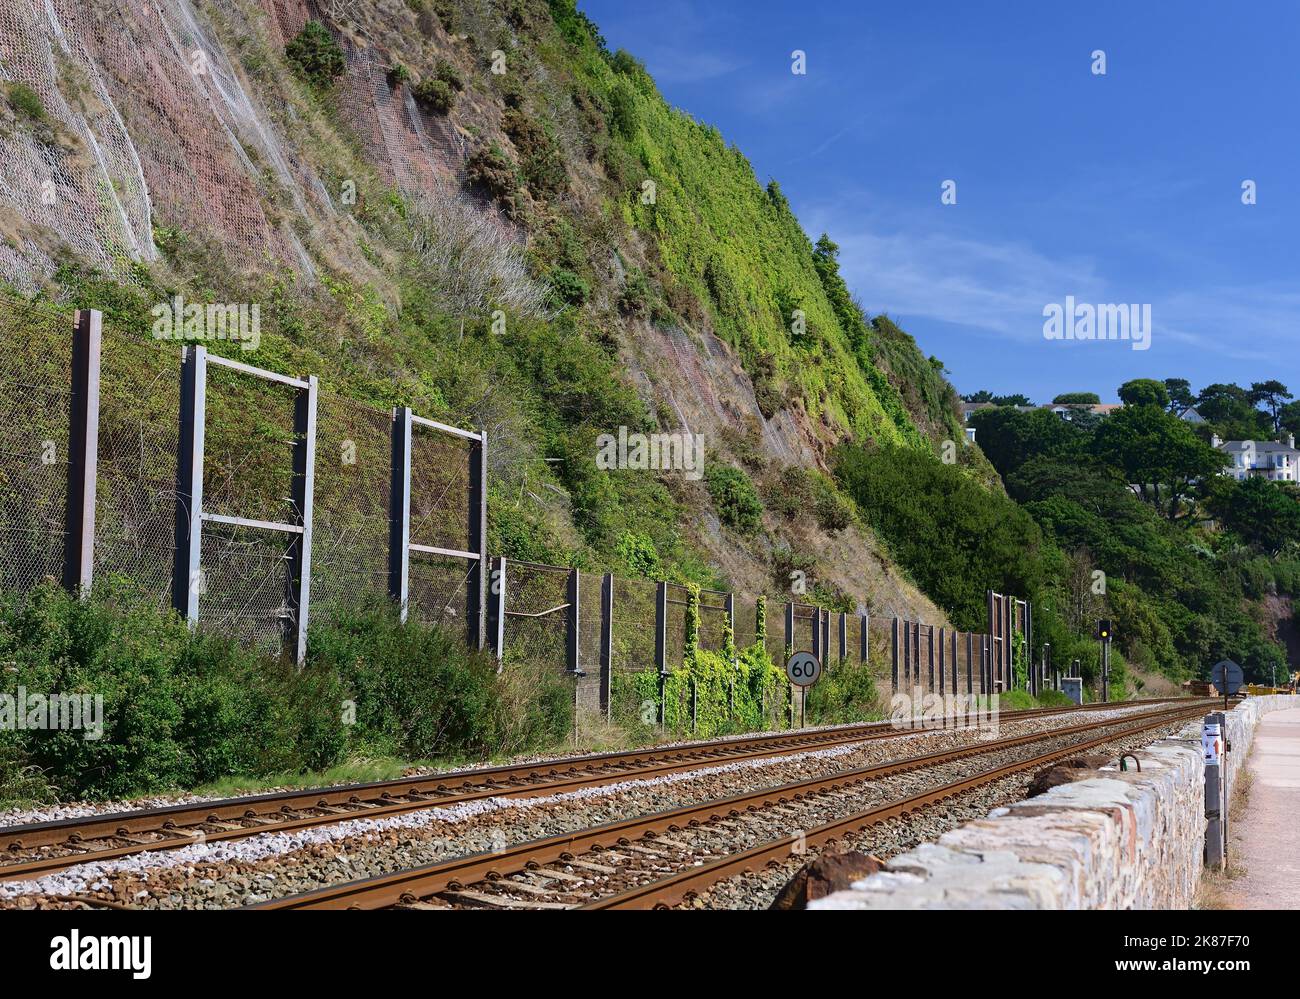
(275, 864)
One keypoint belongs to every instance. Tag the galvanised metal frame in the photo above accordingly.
(83, 452)
(399, 533)
(607, 645)
(190, 515)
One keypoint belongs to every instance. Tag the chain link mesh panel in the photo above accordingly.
(437, 589)
(248, 447)
(244, 576)
(440, 489)
(135, 505)
(746, 620)
(589, 626)
(350, 517)
(633, 653)
(35, 400)
(536, 618)
(713, 620)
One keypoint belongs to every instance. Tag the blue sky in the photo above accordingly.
(1122, 188)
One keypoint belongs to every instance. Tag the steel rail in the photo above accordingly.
(686, 884)
(272, 812)
(408, 886)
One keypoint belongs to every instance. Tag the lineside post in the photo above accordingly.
(498, 622)
(83, 452)
(186, 578)
(399, 512)
(475, 604)
(893, 655)
(661, 644)
(304, 494)
(1212, 744)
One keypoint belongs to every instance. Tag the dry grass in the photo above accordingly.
(1217, 889)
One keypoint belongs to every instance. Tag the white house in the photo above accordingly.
(1272, 460)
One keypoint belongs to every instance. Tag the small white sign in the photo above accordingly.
(803, 669)
(1211, 743)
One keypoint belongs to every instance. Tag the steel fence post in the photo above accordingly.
(83, 452)
(498, 589)
(399, 513)
(893, 655)
(661, 646)
(607, 645)
(304, 489)
(475, 605)
(186, 578)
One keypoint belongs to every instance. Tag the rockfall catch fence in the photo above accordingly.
(244, 498)
(249, 500)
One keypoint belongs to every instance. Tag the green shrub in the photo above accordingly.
(569, 287)
(448, 74)
(734, 496)
(434, 94)
(637, 552)
(184, 708)
(489, 170)
(315, 55)
(539, 154)
(789, 494)
(845, 693)
(834, 511)
(179, 708)
(26, 102)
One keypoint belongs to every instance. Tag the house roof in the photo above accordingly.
(1259, 447)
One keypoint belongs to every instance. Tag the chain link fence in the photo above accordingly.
(246, 585)
(35, 398)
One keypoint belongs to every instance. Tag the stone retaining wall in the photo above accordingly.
(1125, 840)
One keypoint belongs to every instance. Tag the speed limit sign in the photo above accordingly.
(803, 669)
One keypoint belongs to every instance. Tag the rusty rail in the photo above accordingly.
(180, 825)
(409, 886)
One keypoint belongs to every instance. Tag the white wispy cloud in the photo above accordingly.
(999, 287)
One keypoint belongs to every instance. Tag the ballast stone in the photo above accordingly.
(1122, 839)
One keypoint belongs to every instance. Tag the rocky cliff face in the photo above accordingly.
(464, 162)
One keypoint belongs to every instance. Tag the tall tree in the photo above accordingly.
(1271, 395)
(1158, 453)
(1144, 392)
(1181, 396)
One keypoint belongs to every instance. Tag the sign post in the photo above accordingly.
(1104, 636)
(1227, 676)
(803, 670)
(1215, 799)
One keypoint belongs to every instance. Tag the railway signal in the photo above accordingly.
(1104, 635)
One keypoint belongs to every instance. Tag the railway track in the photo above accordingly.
(660, 859)
(38, 849)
